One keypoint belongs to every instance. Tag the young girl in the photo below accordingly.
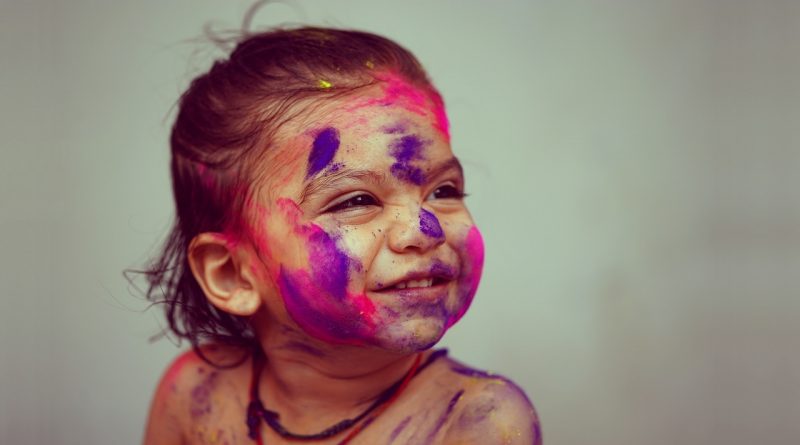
(321, 248)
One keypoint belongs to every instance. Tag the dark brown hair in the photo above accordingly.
(227, 119)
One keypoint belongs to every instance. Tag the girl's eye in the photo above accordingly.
(447, 192)
(356, 201)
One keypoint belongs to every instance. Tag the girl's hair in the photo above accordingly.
(227, 119)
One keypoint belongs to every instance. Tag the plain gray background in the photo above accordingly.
(633, 167)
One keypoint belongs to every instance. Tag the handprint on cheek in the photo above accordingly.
(316, 296)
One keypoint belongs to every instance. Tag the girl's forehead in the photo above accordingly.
(373, 137)
(363, 130)
(357, 134)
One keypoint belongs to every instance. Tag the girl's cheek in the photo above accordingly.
(315, 292)
(472, 257)
(278, 237)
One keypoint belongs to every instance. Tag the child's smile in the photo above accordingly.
(365, 235)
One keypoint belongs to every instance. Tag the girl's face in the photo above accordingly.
(361, 225)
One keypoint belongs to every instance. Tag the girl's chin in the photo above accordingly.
(411, 336)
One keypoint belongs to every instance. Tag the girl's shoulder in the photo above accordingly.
(183, 399)
(482, 407)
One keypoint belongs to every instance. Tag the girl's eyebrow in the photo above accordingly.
(330, 178)
(450, 164)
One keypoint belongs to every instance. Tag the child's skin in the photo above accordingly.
(357, 195)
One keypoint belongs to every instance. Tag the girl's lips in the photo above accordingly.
(434, 292)
(419, 279)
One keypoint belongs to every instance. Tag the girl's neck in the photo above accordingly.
(313, 385)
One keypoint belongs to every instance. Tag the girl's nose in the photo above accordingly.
(415, 229)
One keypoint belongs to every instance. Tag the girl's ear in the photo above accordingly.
(222, 271)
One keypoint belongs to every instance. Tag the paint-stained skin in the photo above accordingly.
(396, 128)
(472, 272)
(444, 416)
(325, 316)
(326, 144)
(320, 266)
(200, 403)
(406, 150)
(398, 92)
(399, 429)
(440, 268)
(486, 409)
(429, 225)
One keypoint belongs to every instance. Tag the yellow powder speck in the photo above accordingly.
(497, 381)
(324, 84)
(370, 64)
(508, 435)
(214, 437)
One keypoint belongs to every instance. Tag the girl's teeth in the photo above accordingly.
(415, 283)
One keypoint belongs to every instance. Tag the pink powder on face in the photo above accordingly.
(316, 296)
(398, 92)
(474, 257)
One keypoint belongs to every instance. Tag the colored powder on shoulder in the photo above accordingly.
(399, 429)
(445, 415)
(323, 151)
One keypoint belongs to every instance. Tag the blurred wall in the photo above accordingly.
(632, 164)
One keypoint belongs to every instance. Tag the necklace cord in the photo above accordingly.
(256, 410)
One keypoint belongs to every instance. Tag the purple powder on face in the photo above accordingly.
(439, 269)
(335, 167)
(394, 128)
(408, 173)
(330, 265)
(405, 150)
(322, 152)
(429, 224)
(322, 319)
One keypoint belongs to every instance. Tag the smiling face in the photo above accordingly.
(362, 231)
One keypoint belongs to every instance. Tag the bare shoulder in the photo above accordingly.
(184, 393)
(491, 409)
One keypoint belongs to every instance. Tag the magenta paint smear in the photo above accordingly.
(322, 316)
(398, 92)
(326, 143)
(317, 298)
(405, 150)
(429, 225)
(472, 271)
